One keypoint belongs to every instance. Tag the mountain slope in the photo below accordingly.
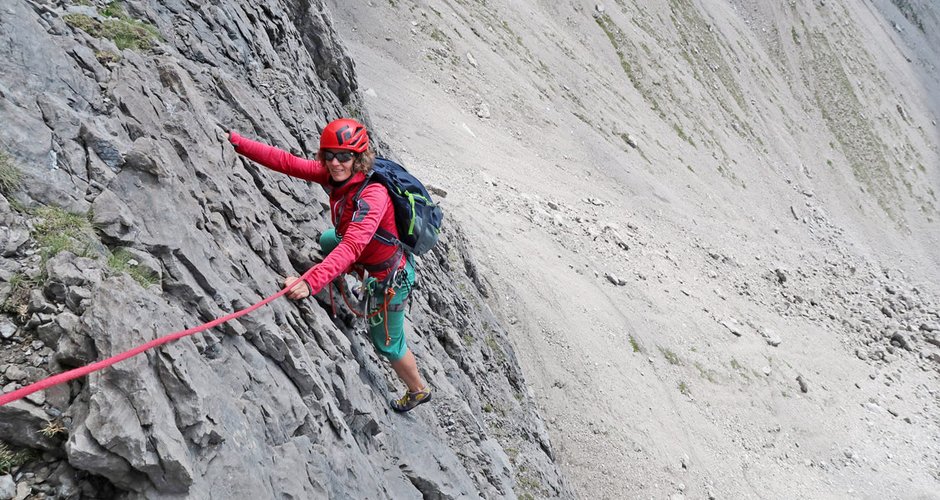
(711, 226)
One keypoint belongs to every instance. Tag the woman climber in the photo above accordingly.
(343, 163)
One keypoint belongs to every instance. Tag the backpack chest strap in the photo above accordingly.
(386, 238)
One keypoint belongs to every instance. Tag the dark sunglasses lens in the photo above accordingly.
(342, 156)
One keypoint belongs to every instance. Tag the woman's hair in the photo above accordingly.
(364, 161)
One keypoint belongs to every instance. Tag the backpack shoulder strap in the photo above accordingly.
(362, 188)
(381, 235)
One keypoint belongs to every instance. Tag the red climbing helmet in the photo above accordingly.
(345, 133)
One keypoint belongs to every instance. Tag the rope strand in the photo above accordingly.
(100, 365)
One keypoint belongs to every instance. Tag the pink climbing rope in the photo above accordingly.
(100, 365)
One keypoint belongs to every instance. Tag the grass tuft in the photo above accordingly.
(125, 31)
(53, 429)
(11, 458)
(670, 356)
(707, 373)
(10, 176)
(120, 262)
(58, 230)
(635, 345)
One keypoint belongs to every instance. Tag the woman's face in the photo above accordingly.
(339, 162)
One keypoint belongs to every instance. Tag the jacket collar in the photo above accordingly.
(350, 184)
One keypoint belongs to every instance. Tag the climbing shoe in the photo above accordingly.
(410, 400)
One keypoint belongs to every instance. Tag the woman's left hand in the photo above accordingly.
(299, 288)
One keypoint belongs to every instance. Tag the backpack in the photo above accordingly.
(417, 217)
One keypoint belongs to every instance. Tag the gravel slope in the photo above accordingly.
(662, 193)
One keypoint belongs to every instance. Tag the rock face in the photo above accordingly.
(285, 402)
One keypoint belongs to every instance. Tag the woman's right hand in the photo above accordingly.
(298, 288)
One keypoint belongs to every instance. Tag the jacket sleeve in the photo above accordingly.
(371, 207)
(279, 160)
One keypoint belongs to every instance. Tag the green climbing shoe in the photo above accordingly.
(410, 400)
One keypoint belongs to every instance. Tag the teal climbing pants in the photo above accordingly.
(381, 320)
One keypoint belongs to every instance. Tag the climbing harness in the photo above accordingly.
(369, 287)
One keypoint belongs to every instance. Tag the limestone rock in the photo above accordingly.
(21, 423)
(7, 327)
(771, 337)
(7, 487)
(733, 326)
(63, 323)
(12, 239)
(114, 218)
(613, 279)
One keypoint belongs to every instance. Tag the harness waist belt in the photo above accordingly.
(385, 264)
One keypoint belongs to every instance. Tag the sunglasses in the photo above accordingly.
(342, 156)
